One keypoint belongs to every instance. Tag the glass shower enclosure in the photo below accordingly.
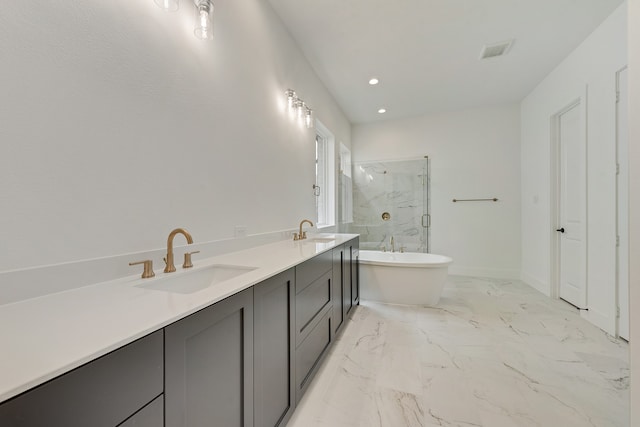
(391, 199)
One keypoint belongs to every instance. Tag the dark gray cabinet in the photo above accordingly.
(274, 346)
(209, 366)
(245, 361)
(105, 392)
(314, 306)
(337, 287)
(346, 281)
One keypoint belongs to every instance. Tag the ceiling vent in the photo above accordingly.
(497, 49)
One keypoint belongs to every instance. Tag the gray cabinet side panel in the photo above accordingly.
(209, 366)
(102, 393)
(151, 415)
(274, 393)
(336, 288)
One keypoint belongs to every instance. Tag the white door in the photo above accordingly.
(623, 206)
(572, 227)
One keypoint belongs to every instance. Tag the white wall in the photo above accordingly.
(474, 154)
(118, 125)
(634, 198)
(594, 64)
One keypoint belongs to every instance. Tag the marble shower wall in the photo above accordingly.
(400, 188)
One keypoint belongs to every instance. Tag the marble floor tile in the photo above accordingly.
(494, 353)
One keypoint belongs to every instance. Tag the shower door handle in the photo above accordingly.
(428, 221)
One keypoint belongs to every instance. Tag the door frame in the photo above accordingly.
(618, 246)
(555, 172)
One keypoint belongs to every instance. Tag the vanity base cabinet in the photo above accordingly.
(209, 366)
(314, 308)
(274, 331)
(103, 393)
(245, 361)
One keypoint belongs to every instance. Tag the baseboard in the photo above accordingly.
(495, 273)
(540, 286)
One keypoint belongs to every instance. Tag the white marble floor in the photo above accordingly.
(493, 354)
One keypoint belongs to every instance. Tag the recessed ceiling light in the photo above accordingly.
(374, 81)
(382, 110)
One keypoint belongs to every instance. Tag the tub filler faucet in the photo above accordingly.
(393, 246)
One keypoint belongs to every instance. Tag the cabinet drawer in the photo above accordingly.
(310, 352)
(102, 393)
(310, 270)
(310, 302)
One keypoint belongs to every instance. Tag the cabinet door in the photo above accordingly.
(274, 329)
(346, 280)
(209, 366)
(355, 274)
(337, 290)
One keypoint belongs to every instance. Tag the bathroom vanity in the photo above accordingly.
(242, 357)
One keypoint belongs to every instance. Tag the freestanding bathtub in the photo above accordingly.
(403, 278)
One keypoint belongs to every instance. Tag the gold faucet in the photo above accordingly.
(302, 234)
(169, 268)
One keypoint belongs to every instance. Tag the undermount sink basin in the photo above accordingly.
(188, 282)
(319, 240)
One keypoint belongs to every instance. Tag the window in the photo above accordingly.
(325, 172)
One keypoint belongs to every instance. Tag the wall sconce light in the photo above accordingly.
(291, 99)
(204, 11)
(298, 107)
(308, 118)
(204, 25)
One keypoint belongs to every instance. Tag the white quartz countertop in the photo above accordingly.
(47, 336)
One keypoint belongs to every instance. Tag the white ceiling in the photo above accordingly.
(426, 52)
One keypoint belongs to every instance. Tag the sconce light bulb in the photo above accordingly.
(291, 99)
(204, 26)
(167, 5)
(308, 118)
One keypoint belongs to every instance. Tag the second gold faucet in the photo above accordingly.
(302, 234)
(168, 260)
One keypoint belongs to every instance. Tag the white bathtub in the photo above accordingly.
(403, 278)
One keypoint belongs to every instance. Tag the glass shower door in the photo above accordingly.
(391, 199)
